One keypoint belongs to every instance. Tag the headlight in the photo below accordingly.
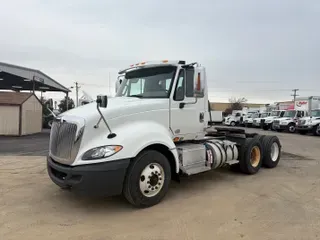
(101, 152)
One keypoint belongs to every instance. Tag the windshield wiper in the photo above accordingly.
(137, 95)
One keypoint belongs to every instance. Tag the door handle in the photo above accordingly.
(201, 117)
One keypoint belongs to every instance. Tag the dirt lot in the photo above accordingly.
(282, 203)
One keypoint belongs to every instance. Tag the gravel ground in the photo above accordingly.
(281, 203)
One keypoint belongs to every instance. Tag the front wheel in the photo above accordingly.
(147, 180)
(265, 127)
(316, 130)
(232, 124)
(291, 128)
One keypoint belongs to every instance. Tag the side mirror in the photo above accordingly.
(118, 83)
(102, 101)
(199, 83)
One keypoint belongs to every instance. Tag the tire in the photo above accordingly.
(138, 174)
(316, 130)
(232, 123)
(291, 128)
(279, 130)
(251, 158)
(266, 127)
(302, 132)
(271, 151)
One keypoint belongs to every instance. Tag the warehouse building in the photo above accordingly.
(20, 114)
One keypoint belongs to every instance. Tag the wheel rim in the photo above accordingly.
(255, 156)
(292, 128)
(318, 130)
(232, 124)
(151, 180)
(275, 151)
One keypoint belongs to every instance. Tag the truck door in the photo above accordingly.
(187, 114)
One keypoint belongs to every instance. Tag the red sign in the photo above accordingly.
(300, 103)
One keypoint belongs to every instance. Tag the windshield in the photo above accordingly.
(152, 82)
(275, 113)
(290, 114)
(263, 115)
(315, 113)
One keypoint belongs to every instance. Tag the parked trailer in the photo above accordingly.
(147, 135)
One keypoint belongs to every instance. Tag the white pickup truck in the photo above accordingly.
(153, 131)
(310, 124)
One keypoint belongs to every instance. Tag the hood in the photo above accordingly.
(117, 107)
(270, 117)
(284, 119)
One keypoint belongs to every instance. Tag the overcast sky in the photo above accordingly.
(256, 49)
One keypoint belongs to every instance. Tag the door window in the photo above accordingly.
(179, 91)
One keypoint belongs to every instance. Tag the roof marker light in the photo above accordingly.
(165, 61)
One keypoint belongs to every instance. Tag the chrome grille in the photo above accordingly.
(301, 122)
(276, 122)
(63, 143)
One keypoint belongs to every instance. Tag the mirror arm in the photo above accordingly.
(111, 135)
(182, 104)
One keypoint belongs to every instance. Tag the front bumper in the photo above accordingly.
(280, 127)
(102, 179)
(307, 128)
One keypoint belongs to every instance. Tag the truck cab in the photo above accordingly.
(235, 118)
(289, 120)
(153, 131)
(310, 123)
(267, 122)
(257, 121)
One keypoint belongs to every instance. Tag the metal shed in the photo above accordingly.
(20, 114)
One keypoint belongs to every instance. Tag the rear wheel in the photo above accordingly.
(147, 180)
(271, 151)
(251, 156)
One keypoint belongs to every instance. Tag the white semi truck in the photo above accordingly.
(153, 131)
(257, 121)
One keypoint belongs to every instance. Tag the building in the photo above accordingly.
(219, 106)
(20, 114)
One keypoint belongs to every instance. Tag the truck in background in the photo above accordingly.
(249, 119)
(310, 123)
(257, 121)
(216, 117)
(153, 131)
(307, 103)
(267, 122)
(289, 120)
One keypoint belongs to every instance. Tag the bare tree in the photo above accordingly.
(237, 103)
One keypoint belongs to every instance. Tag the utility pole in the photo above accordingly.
(294, 94)
(77, 93)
